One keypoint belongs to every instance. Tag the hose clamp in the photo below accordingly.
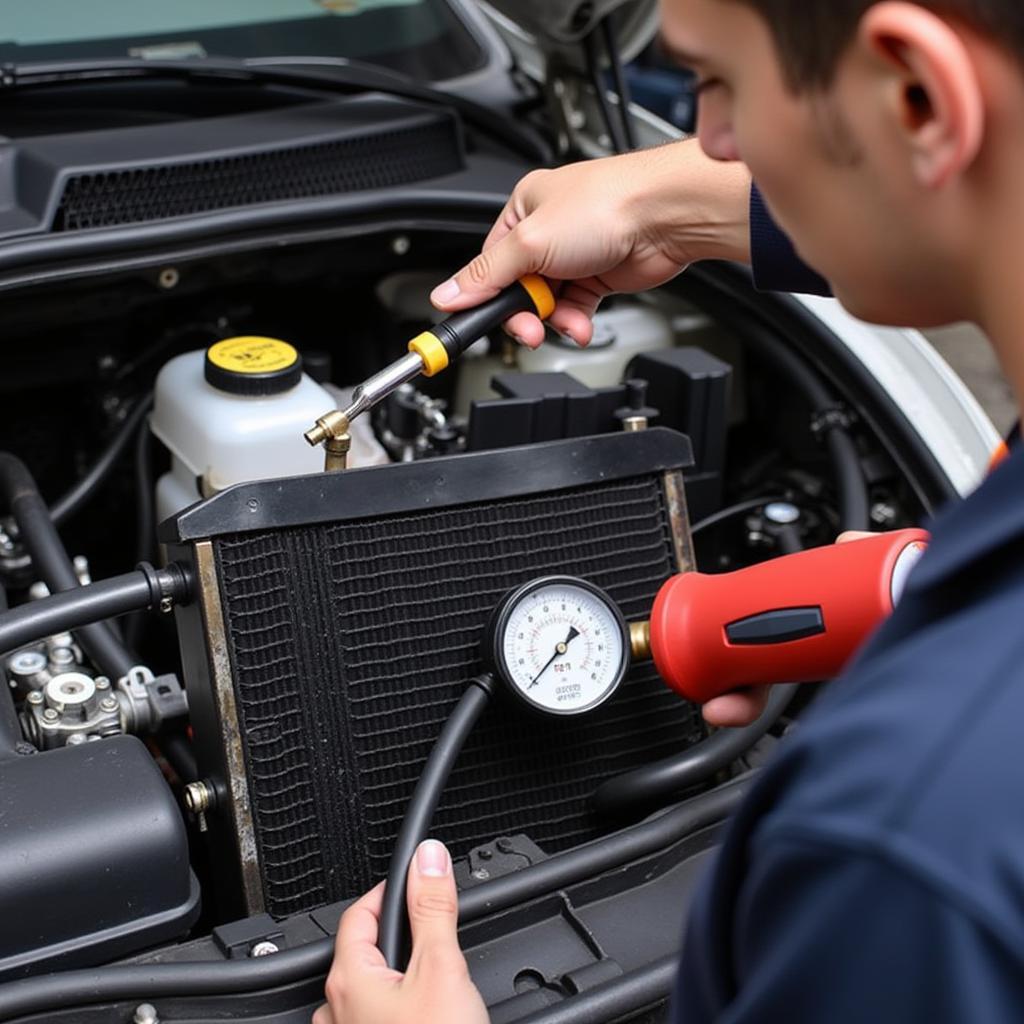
(833, 417)
(167, 587)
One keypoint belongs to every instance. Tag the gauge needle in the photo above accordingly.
(560, 649)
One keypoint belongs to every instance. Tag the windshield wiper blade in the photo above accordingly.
(342, 75)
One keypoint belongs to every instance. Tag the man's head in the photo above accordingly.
(811, 37)
(886, 135)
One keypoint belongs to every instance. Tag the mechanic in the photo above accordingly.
(876, 871)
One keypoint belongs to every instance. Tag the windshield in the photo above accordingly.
(422, 38)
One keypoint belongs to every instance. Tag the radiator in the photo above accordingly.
(340, 618)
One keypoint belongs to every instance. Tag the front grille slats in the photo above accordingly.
(381, 631)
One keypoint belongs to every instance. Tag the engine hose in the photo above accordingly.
(50, 560)
(177, 750)
(82, 493)
(49, 993)
(704, 760)
(145, 523)
(144, 588)
(615, 999)
(394, 921)
(616, 134)
(611, 46)
(854, 503)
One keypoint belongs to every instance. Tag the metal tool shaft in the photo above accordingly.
(380, 385)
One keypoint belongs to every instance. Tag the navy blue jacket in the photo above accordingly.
(876, 872)
(777, 267)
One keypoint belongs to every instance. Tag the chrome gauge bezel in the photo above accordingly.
(494, 646)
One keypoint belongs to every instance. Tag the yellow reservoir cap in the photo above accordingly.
(429, 348)
(540, 291)
(252, 366)
(252, 355)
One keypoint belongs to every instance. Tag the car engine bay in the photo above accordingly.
(203, 766)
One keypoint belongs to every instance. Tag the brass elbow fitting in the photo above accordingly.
(329, 427)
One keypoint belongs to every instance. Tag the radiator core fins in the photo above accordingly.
(351, 642)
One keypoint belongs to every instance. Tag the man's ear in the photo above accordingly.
(932, 87)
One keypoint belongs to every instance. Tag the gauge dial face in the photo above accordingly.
(561, 644)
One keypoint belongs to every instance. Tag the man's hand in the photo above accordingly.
(743, 707)
(621, 224)
(436, 988)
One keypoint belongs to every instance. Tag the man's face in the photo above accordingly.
(824, 162)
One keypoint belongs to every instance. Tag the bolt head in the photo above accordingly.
(265, 948)
(169, 278)
(102, 683)
(76, 739)
(782, 513)
(35, 697)
(108, 704)
(49, 715)
(197, 797)
(27, 663)
(145, 1013)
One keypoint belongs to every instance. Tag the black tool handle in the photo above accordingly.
(461, 330)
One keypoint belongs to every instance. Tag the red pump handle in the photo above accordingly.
(798, 618)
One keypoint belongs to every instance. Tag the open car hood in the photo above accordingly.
(555, 28)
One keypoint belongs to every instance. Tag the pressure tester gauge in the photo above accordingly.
(560, 644)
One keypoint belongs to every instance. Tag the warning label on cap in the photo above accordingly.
(252, 355)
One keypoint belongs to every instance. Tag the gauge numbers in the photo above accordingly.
(561, 644)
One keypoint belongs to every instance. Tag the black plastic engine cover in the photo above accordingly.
(93, 857)
(337, 641)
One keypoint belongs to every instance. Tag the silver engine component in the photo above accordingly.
(72, 708)
(64, 704)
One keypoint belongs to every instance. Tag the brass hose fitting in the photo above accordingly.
(336, 451)
(330, 426)
(640, 640)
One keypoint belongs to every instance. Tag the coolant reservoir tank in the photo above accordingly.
(233, 413)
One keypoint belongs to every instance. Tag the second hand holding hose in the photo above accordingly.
(430, 353)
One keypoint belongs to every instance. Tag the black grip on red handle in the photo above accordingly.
(794, 619)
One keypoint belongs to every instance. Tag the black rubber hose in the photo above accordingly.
(614, 999)
(393, 937)
(83, 491)
(704, 760)
(854, 502)
(593, 59)
(72, 609)
(145, 512)
(51, 561)
(728, 513)
(51, 992)
(621, 85)
(177, 749)
(604, 854)
(145, 522)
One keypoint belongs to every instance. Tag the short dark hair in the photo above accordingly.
(811, 35)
